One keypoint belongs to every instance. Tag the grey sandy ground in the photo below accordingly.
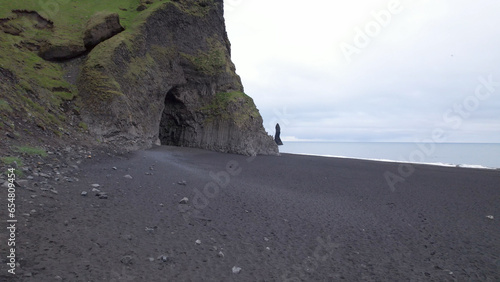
(277, 218)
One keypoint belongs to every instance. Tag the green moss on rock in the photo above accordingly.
(5, 107)
(31, 151)
(211, 62)
(199, 9)
(235, 106)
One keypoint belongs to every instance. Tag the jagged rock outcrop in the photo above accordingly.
(277, 138)
(171, 80)
(100, 27)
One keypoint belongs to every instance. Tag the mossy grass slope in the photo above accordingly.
(38, 87)
(31, 151)
(71, 16)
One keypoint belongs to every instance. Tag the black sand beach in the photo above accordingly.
(287, 218)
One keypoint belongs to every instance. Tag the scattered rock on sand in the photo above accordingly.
(183, 183)
(236, 269)
(84, 193)
(95, 185)
(184, 201)
(490, 217)
(220, 254)
(102, 195)
(128, 176)
(198, 242)
(163, 258)
(21, 183)
(127, 260)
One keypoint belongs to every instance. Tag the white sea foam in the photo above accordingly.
(397, 161)
(467, 155)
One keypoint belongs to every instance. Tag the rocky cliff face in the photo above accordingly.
(172, 82)
(166, 79)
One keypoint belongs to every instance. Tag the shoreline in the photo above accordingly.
(468, 166)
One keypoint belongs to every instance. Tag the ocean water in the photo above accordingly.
(473, 155)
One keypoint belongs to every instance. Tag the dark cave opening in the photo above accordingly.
(174, 124)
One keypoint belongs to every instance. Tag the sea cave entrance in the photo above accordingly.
(175, 128)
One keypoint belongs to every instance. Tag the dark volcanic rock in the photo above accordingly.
(100, 27)
(61, 52)
(172, 82)
(277, 138)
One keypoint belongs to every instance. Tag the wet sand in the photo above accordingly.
(287, 218)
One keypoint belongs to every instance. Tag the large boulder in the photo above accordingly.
(101, 26)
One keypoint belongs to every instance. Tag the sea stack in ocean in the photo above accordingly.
(277, 138)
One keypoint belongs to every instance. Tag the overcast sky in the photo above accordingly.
(367, 70)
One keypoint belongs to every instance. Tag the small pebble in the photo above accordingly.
(127, 260)
(198, 242)
(84, 193)
(184, 201)
(163, 258)
(236, 269)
